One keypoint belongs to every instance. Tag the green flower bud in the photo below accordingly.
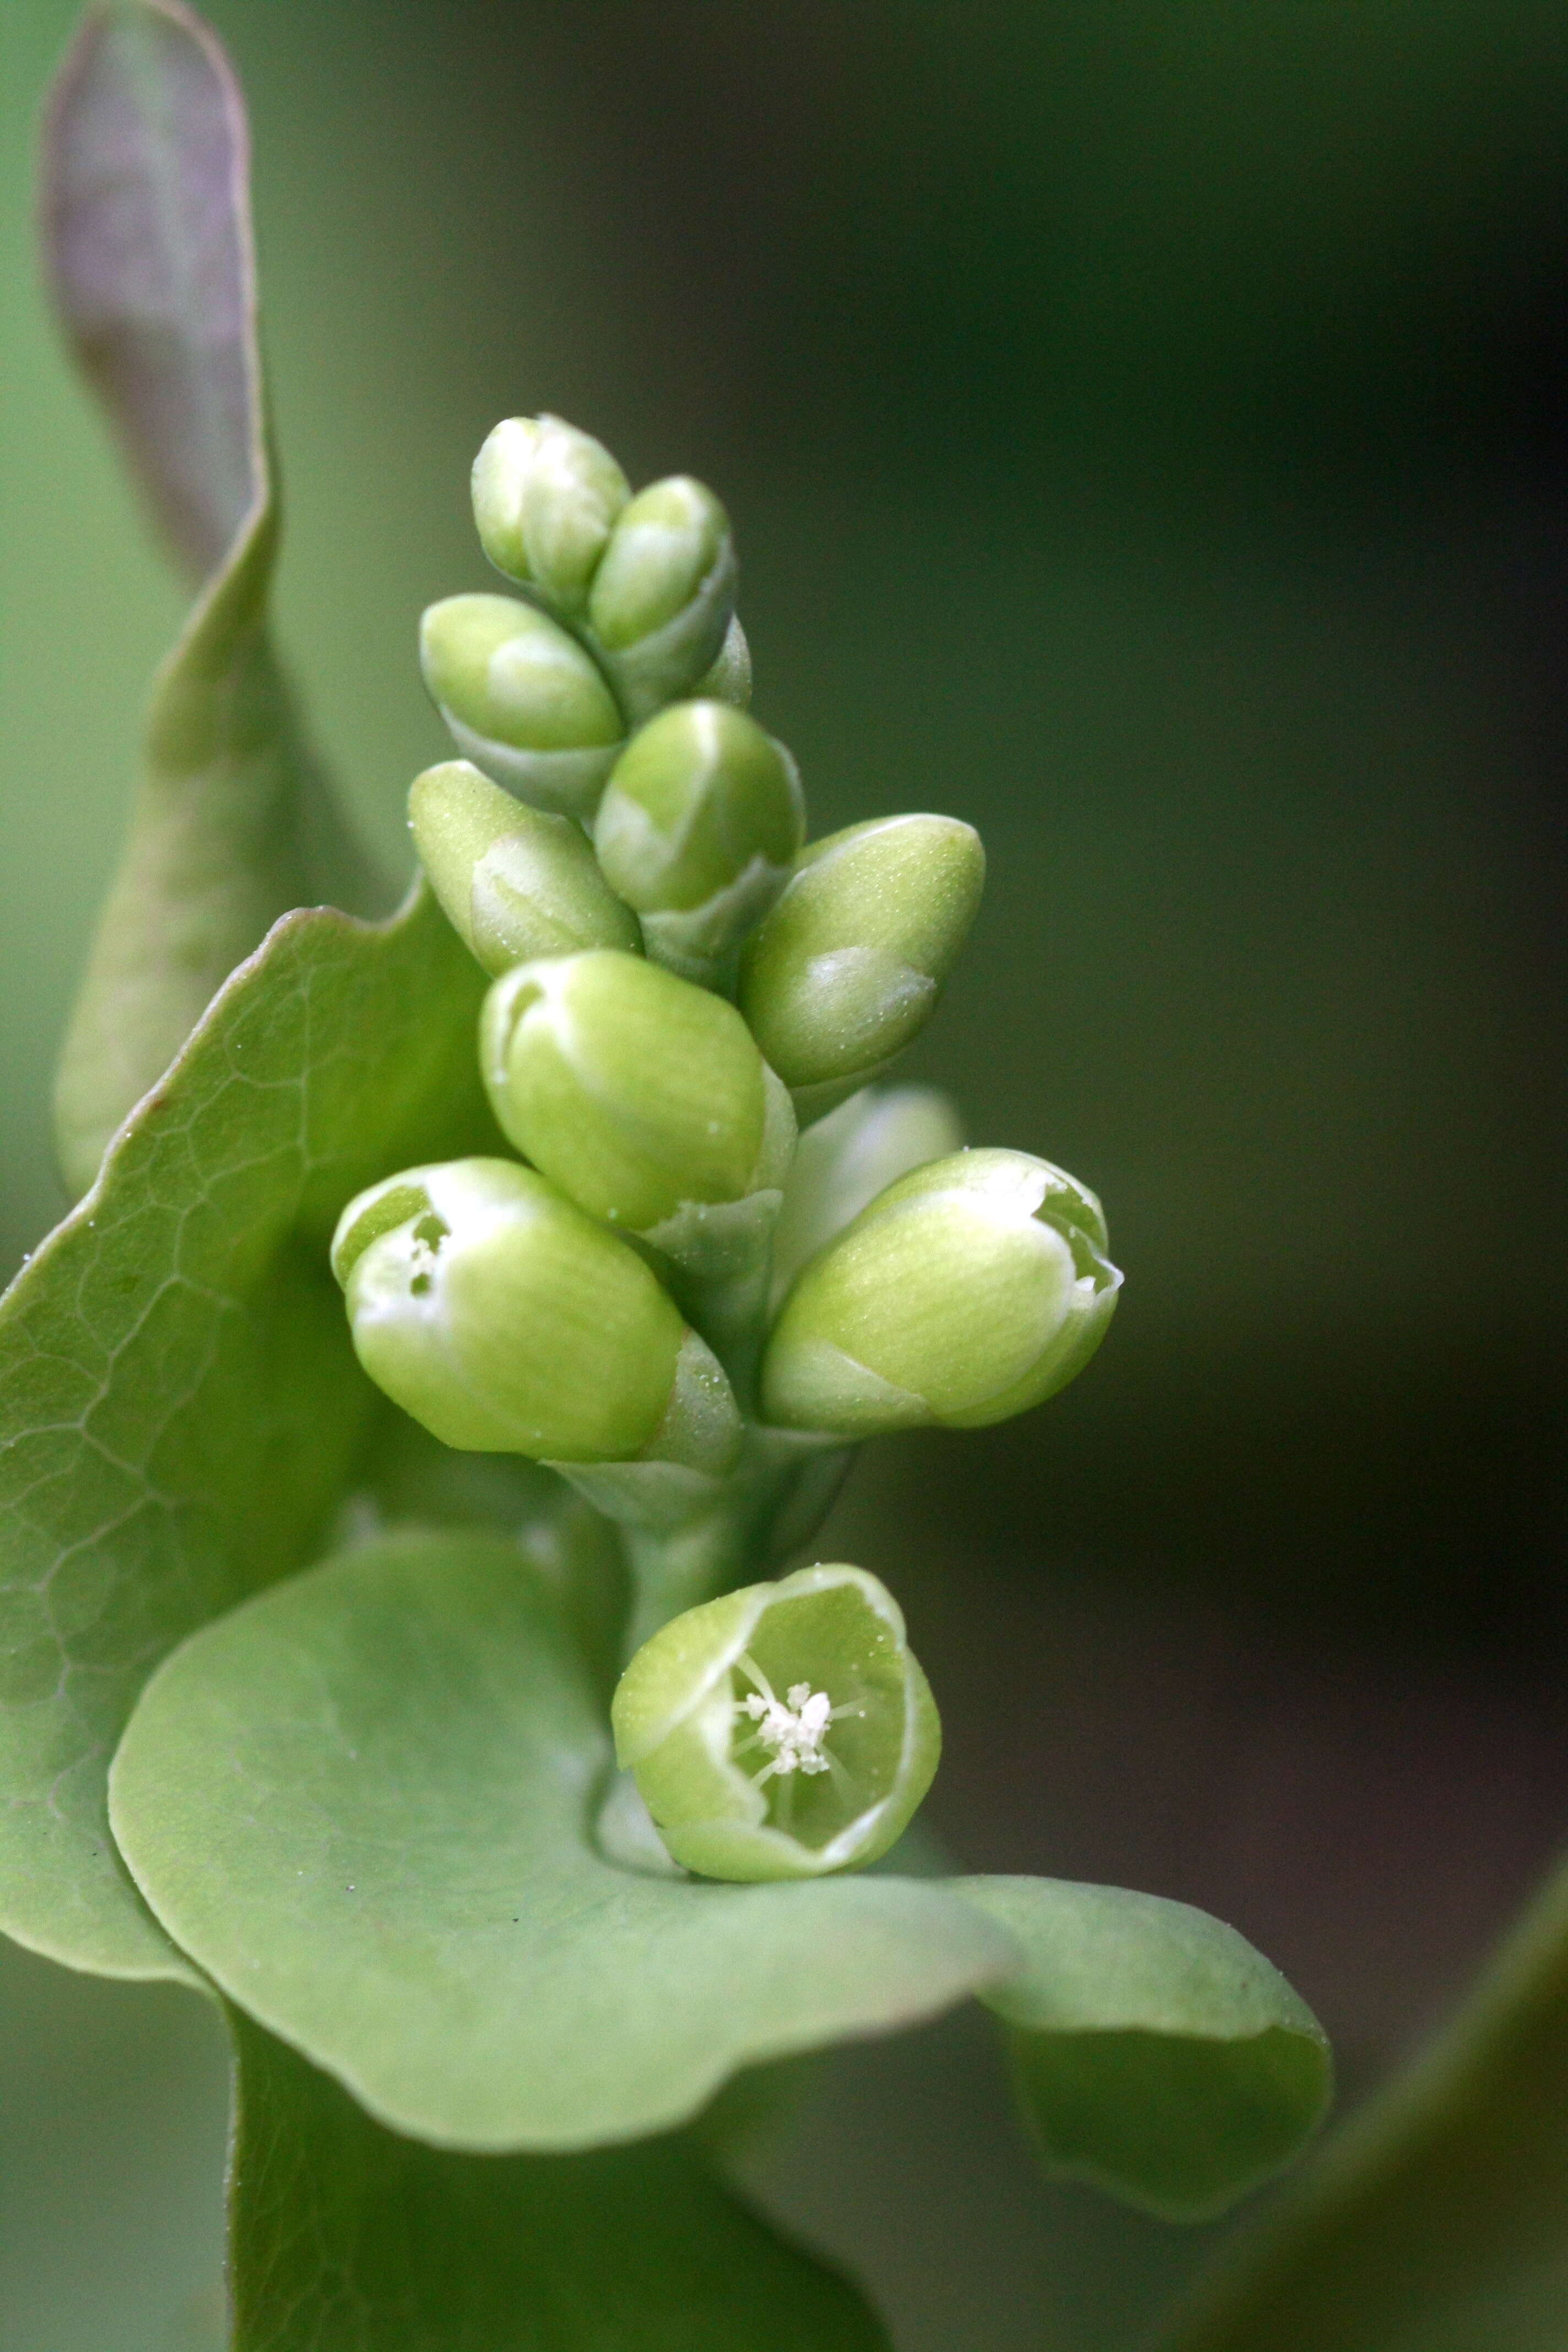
(697, 829)
(848, 966)
(515, 882)
(664, 592)
(968, 1291)
(522, 699)
(730, 679)
(506, 1321)
(846, 1159)
(642, 1097)
(545, 500)
(784, 1731)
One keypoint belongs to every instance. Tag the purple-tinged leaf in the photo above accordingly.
(147, 240)
(146, 224)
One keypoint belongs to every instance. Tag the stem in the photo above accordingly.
(1448, 2183)
(773, 1500)
(728, 1310)
(675, 1571)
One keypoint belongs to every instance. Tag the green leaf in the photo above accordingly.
(1157, 2054)
(179, 1402)
(344, 2235)
(363, 1804)
(148, 256)
(1437, 2220)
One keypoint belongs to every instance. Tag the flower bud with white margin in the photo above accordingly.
(967, 1292)
(698, 828)
(514, 882)
(545, 502)
(784, 1731)
(849, 967)
(844, 1161)
(664, 593)
(522, 699)
(504, 1320)
(643, 1097)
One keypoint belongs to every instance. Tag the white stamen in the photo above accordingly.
(792, 1729)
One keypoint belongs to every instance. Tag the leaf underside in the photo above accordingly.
(1157, 2054)
(179, 1403)
(147, 247)
(148, 258)
(343, 2235)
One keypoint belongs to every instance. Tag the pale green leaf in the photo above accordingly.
(148, 256)
(1157, 2054)
(363, 1804)
(1437, 2220)
(179, 1403)
(345, 2238)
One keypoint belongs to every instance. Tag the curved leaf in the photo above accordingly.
(146, 224)
(363, 1804)
(179, 1402)
(148, 254)
(343, 2234)
(1437, 2220)
(1157, 2054)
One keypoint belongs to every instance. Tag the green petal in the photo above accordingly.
(363, 1804)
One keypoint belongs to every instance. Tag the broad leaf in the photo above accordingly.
(179, 1403)
(1437, 2220)
(363, 1804)
(148, 256)
(345, 2236)
(1157, 2054)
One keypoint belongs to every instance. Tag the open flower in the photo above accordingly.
(784, 1731)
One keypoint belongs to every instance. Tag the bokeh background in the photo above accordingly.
(1146, 431)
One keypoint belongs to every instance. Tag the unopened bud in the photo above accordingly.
(545, 500)
(785, 1731)
(846, 1159)
(697, 829)
(522, 699)
(849, 965)
(664, 593)
(515, 882)
(506, 1321)
(966, 1292)
(639, 1093)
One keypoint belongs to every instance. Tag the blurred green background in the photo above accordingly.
(1147, 435)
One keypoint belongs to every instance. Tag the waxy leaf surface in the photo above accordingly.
(363, 1804)
(179, 1403)
(1157, 2054)
(345, 2238)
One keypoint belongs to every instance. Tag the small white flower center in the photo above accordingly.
(790, 1729)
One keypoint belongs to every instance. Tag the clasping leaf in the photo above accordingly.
(1157, 2054)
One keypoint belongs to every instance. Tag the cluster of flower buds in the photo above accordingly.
(723, 1251)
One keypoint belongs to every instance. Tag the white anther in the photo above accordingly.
(791, 1729)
